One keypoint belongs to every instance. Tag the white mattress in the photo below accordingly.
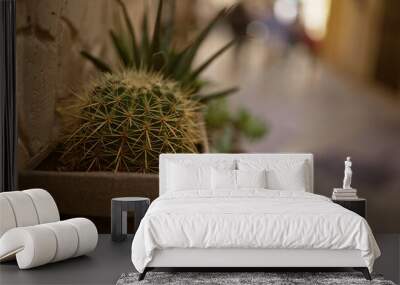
(252, 219)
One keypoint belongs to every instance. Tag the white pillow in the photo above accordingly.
(251, 178)
(282, 174)
(223, 179)
(292, 179)
(181, 177)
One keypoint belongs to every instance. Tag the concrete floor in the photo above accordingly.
(110, 260)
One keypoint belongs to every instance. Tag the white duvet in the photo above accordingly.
(250, 219)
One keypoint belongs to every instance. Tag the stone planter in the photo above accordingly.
(88, 194)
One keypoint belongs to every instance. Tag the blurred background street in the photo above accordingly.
(312, 102)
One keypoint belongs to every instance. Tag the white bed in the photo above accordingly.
(248, 226)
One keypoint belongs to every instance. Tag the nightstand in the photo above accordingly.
(119, 208)
(358, 206)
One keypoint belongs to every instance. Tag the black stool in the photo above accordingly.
(119, 208)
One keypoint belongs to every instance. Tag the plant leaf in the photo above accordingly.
(98, 63)
(121, 49)
(168, 27)
(216, 95)
(189, 53)
(172, 63)
(250, 126)
(136, 54)
(156, 57)
(145, 46)
(203, 66)
(217, 114)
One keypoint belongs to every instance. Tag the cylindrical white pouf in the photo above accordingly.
(23, 208)
(7, 218)
(34, 246)
(87, 233)
(67, 240)
(45, 205)
(31, 232)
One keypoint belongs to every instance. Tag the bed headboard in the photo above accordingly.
(215, 157)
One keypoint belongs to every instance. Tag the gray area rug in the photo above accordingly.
(269, 278)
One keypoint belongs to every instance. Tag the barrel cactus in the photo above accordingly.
(123, 121)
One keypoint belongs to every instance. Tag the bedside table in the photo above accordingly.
(119, 208)
(358, 206)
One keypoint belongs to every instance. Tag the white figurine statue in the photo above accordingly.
(347, 174)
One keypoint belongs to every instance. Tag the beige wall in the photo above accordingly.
(353, 35)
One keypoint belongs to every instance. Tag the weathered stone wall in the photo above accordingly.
(50, 36)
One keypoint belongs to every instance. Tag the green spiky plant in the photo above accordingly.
(156, 52)
(227, 130)
(124, 120)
